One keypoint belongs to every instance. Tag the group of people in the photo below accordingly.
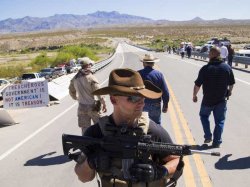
(85, 83)
(138, 99)
(185, 48)
(227, 54)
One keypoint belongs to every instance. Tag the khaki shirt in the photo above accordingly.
(81, 88)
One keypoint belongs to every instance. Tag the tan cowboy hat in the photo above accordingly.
(149, 58)
(128, 82)
(85, 61)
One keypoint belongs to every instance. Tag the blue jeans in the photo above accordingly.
(219, 113)
(154, 111)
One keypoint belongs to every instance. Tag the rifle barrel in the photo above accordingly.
(205, 152)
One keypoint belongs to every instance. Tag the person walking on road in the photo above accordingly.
(230, 55)
(217, 81)
(182, 51)
(189, 50)
(81, 87)
(153, 106)
(223, 52)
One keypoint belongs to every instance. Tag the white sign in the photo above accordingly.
(26, 95)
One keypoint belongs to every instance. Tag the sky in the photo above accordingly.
(174, 10)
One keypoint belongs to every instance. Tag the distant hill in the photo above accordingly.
(97, 19)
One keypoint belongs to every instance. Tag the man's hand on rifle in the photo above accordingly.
(147, 172)
(99, 161)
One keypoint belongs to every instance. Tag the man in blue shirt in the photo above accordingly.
(217, 80)
(153, 106)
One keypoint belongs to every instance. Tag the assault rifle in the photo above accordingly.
(124, 144)
(127, 147)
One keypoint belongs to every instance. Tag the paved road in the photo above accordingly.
(31, 151)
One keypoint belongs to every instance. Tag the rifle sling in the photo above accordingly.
(179, 170)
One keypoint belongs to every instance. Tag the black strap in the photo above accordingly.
(179, 170)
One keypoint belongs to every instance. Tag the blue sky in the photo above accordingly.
(154, 9)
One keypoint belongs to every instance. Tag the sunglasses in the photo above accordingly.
(132, 99)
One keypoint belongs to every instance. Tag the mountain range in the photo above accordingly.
(97, 19)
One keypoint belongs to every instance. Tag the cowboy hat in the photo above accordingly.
(85, 61)
(128, 82)
(149, 58)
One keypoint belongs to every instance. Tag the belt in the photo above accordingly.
(153, 104)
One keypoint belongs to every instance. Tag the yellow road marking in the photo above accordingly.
(205, 180)
(188, 174)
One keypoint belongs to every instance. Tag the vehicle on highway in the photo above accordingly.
(71, 68)
(27, 76)
(78, 66)
(49, 73)
(247, 46)
(197, 48)
(216, 41)
(32, 77)
(3, 84)
(243, 53)
(61, 70)
(206, 48)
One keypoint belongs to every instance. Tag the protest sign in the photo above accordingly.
(26, 95)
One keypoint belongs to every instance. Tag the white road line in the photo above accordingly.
(245, 82)
(46, 125)
(242, 81)
(33, 134)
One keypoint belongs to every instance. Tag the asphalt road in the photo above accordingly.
(31, 151)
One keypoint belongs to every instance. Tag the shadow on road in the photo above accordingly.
(203, 147)
(42, 161)
(225, 164)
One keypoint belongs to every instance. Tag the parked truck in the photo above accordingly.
(32, 77)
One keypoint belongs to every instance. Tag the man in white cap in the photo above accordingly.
(81, 87)
(153, 106)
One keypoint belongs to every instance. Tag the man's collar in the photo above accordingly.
(216, 60)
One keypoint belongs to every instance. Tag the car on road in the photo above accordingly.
(206, 48)
(242, 53)
(27, 76)
(61, 70)
(49, 73)
(32, 77)
(247, 46)
(78, 66)
(3, 84)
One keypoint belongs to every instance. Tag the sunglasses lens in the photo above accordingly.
(134, 99)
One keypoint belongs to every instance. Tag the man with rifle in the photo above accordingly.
(127, 149)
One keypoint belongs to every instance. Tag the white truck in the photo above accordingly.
(32, 77)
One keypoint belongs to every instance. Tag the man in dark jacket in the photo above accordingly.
(217, 80)
(153, 106)
(230, 55)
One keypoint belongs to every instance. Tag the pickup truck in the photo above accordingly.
(32, 77)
